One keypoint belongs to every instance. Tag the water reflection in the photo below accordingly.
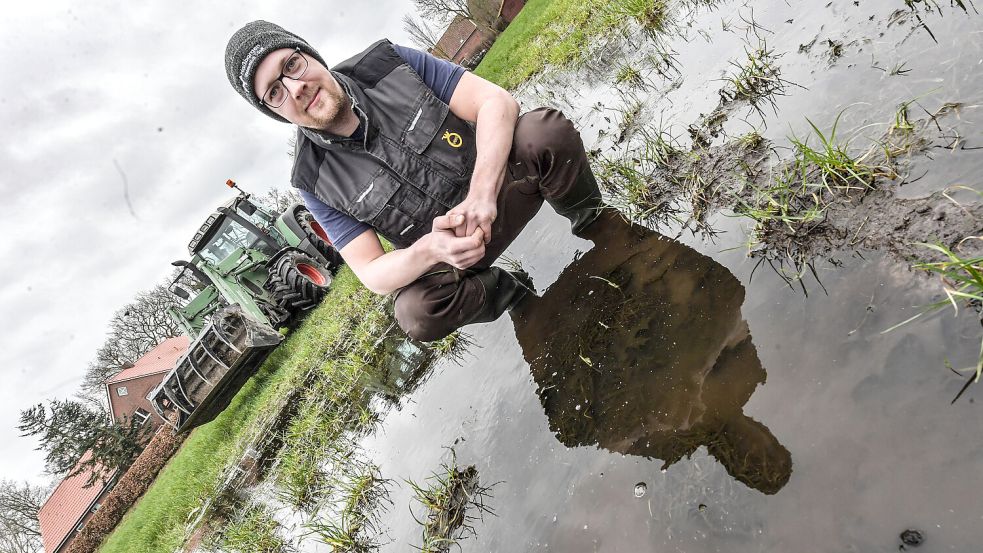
(640, 347)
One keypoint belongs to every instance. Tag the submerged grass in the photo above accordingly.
(630, 76)
(333, 409)
(906, 136)
(157, 522)
(756, 78)
(448, 495)
(637, 182)
(254, 530)
(930, 5)
(560, 33)
(354, 525)
(962, 282)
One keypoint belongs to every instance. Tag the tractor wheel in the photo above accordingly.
(298, 282)
(319, 238)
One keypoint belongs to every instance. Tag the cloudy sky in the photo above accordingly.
(107, 101)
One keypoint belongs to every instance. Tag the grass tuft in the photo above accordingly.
(652, 15)
(632, 180)
(757, 80)
(447, 496)
(354, 528)
(254, 530)
(630, 76)
(962, 282)
(796, 199)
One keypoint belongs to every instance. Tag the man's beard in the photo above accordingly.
(334, 104)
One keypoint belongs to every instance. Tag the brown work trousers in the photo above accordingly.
(546, 158)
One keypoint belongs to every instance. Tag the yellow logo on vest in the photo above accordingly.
(453, 139)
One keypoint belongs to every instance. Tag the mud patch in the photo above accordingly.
(865, 214)
(823, 200)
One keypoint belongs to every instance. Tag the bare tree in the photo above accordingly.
(483, 13)
(19, 506)
(279, 199)
(442, 11)
(133, 331)
(424, 35)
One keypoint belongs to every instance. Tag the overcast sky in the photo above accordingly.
(92, 86)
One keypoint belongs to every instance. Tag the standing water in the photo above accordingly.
(661, 394)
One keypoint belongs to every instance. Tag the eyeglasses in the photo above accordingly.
(294, 68)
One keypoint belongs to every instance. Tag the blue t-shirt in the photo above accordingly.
(442, 77)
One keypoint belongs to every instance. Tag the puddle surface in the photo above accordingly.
(657, 397)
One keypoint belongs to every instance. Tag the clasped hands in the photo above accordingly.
(458, 237)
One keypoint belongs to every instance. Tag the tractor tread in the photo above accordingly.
(290, 288)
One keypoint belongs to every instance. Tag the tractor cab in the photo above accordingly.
(238, 227)
(229, 240)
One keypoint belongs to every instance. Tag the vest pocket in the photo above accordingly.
(442, 137)
(373, 198)
(398, 211)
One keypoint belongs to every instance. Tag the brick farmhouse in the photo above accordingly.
(464, 42)
(71, 504)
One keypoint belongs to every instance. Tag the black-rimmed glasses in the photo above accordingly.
(293, 68)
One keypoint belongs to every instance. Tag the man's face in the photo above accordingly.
(314, 100)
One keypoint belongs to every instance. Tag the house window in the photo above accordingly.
(121, 391)
(141, 415)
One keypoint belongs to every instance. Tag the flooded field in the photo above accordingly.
(714, 379)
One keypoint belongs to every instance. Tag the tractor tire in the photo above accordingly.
(297, 282)
(319, 238)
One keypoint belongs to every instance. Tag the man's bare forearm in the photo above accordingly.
(494, 127)
(383, 272)
(393, 270)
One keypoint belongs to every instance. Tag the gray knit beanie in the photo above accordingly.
(247, 48)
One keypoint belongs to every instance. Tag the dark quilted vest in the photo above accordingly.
(414, 163)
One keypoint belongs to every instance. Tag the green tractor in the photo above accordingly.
(272, 266)
(251, 271)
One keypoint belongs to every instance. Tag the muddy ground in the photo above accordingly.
(720, 158)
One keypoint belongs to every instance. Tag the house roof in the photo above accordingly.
(160, 359)
(453, 39)
(66, 506)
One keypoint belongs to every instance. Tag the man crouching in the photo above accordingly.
(398, 143)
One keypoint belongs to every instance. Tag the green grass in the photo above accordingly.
(253, 530)
(333, 408)
(157, 522)
(821, 172)
(355, 526)
(631, 182)
(756, 79)
(805, 186)
(829, 165)
(560, 33)
(447, 497)
(962, 282)
(630, 76)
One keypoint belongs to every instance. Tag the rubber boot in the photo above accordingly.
(582, 203)
(503, 291)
